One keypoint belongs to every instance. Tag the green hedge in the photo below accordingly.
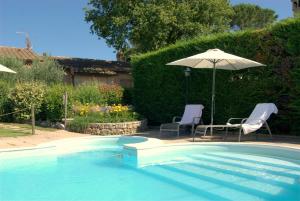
(159, 91)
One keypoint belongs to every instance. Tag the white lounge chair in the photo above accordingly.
(191, 117)
(255, 121)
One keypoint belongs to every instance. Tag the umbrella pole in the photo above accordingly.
(213, 99)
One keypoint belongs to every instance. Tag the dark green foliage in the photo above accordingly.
(149, 25)
(53, 106)
(128, 96)
(88, 93)
(4, 93)
(98, 94)
(159, 90)
(251, 16)
(50, 105)
(295, 97)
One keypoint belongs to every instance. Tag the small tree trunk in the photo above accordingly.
(32, 119)
(66, 108)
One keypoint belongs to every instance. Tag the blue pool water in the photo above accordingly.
(195, 172)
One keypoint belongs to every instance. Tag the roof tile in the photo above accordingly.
(19, 53)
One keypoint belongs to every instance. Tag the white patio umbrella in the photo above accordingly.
(216, 59)
(5, 69)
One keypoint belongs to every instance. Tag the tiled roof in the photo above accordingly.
(19, 53)
(93, 65)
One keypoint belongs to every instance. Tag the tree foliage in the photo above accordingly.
(250, 16)
(46, 70)
(24, 96)
(151, 24)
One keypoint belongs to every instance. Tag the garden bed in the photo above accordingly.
(121, 128)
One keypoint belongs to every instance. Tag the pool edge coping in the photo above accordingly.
(149, 143)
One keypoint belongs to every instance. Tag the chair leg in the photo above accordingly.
(178, 131)
(240, 134)
(226, 133)
(160, 132)
(269, 130)
(193, 129)
(194, 136)
(193, 132)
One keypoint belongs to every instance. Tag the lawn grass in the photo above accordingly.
(15, 130)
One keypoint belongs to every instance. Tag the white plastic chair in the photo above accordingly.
(191, 117)
(257, 119)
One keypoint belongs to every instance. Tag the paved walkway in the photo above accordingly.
(47, 136)
(277, 140)
(38, 138)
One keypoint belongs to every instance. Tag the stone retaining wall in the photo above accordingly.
(116, 128)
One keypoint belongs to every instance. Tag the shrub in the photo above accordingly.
(295, 100)
(86, 114)
(46, 70)
(4, 91)
(23, 96)
(14, 64)
(92, 93)
(159, 89)
(88, 93)
(111, 94)
(52, 108)
(127, 96)
(79, 123)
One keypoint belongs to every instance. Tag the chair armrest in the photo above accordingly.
(231, 119)
(174, 119)
(244, 120)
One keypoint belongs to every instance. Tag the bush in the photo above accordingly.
(83, 96)
(111, 94)
(46, 70)
(92, 93)
(23, 96)
(127, 96)
(14, 64)
(88, 93)
(4, 93)
(86, 114)
(295, 100)
(159, 89)
(52, 108)
(79, 123)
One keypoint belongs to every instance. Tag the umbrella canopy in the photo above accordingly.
(223, 60)
(216, 59)
(5, 69)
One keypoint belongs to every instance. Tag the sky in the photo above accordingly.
(57, 27)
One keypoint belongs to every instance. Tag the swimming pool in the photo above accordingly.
(101, 170)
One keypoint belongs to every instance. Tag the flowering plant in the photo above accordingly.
(87, 113)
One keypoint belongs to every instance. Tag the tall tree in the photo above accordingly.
(151, 24)
(249, 16)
